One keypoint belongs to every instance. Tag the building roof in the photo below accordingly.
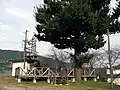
(15, 61)
(114, 76)
(43, 61)
(27, 60)
(117, 67)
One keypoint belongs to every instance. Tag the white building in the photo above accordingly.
(20, 64)
(116, 75)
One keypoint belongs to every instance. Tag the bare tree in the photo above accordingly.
(115, 55)
(96, 60)
(100, 58)
(61, 56)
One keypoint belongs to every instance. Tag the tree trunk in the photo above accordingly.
(77, 69)
(77, 66)
(77, 74)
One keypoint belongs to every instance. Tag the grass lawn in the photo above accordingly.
(91, 85)
(81, 85)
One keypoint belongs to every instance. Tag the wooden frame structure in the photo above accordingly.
(43, 72)
(51, 75)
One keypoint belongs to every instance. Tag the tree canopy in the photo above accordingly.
(77, 24)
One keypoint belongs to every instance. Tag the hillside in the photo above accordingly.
(6, 58)
(10, 54)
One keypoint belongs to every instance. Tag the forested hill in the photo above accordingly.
(10, 55)
(6, 58)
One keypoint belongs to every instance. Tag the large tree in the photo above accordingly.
(76, 24)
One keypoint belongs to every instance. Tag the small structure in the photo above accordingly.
(19, 64)
(116, 75)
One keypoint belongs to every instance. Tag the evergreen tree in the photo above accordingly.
(76, 24)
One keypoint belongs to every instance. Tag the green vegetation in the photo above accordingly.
(6, 58)
(81, 85)
(91, 85)
(10, 55)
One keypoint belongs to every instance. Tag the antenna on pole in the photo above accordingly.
(25, 43)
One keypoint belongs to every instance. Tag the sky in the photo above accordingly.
(16, 16)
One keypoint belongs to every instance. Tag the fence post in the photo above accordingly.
(34, 79)
(48, 80)
(19, 79)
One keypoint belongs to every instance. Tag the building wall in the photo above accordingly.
(108, 71)
(115, 72)
(21, 65)
(116, 81)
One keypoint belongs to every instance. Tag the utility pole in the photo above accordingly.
(25, 43)
(110, 61)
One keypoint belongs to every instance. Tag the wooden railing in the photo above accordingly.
(46, 72)
(88, 72)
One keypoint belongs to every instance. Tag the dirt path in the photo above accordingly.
(26, 88)
(8, 83)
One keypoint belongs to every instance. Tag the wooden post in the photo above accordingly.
(52, 80)
(48, 80)
(19, 79)
(84, 74)
(85, 79)
(55, 80)
(42, 70)
(95, 80)
(34, 79)
(73, 80)
(67, 80)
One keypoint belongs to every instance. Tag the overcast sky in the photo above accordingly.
(16, 16)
